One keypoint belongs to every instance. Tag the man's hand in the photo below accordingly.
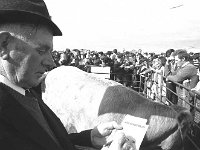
(120, 142)
(99, 135)
(108, 134)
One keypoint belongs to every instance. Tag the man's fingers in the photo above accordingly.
(117, 126)
(129, 145)
(112, 125)
(121, 142)
(107, 128)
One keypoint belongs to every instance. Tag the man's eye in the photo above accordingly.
(41, 51)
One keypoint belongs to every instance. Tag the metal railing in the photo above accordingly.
(156, 91)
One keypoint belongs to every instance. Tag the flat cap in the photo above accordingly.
(27, 11)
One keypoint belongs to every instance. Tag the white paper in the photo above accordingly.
(135, 129)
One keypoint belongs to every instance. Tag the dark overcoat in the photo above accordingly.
(20, 131)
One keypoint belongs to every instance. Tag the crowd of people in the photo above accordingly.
(127, 67)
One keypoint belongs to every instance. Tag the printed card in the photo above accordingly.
(135, 129)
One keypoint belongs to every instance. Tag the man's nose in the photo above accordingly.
(49, 62)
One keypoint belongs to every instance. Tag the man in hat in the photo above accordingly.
(26, 122)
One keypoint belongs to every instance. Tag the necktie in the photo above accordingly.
(28, 94)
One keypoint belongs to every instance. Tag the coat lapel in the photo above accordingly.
(22, 120)
(55, 124)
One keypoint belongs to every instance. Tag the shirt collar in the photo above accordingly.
(11, 85)
(185, 64)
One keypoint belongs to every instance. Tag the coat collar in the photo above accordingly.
(14, 113)
(185, 64)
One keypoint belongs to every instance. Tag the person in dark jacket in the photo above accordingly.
(26, 122)
(185, 70)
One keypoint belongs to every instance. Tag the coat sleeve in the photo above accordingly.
(183, 74)
(82, 139)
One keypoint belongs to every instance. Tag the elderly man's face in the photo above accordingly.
(30, 59)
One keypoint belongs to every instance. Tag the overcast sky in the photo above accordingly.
(150, 25)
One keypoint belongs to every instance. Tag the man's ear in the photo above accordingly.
(183, 59)
(5, 38)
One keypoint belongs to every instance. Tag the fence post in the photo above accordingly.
(161, 86)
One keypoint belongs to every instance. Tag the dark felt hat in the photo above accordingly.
(33, 11)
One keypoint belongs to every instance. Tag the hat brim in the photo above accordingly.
(23, 16)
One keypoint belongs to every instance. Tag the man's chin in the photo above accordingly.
(42, 77)
(38, 79)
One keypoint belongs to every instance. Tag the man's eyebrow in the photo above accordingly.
(38, 46)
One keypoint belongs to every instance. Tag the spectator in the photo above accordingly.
(68, 56)
(170, 62)
(56, 58)
(62, 60)
(159, 73)
(77, 57)
(196, 60)
(114, 55)
(141, 68)
(106, 61)
(96, 60)
(185, 70)
(128, 70)
(118, 68)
